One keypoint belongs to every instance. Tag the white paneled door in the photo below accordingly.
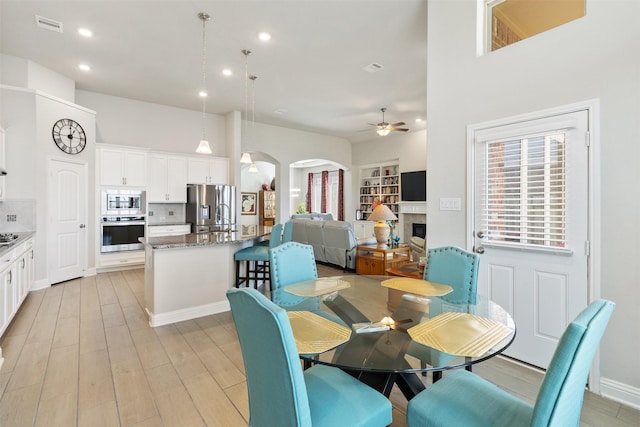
(530, 218)
(67, 243)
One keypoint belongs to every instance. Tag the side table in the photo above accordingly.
(375, 261)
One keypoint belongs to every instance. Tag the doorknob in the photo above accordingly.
(479, 250)
(480, 234)
(82, 226)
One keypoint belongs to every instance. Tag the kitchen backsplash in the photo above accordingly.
(17, 215)
(166, 213)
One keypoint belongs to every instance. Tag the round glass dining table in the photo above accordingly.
(425, 333)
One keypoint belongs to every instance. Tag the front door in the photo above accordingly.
(530, 216)
(67, 243)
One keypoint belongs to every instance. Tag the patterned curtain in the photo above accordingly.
(340, 195)
(323, 194)
(309, 191)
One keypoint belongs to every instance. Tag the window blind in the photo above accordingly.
(524, 194)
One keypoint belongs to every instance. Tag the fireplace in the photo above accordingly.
(418, 229)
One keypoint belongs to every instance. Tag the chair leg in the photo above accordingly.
(436, 376)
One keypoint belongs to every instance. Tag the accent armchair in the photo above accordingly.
(464, 399)
(280, 393)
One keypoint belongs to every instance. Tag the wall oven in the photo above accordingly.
(122, 220)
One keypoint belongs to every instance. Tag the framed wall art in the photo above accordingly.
(249, 203)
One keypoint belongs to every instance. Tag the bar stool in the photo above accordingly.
(256, 260)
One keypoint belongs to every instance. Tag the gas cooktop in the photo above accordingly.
(7, 238)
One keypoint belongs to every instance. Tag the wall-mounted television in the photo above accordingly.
(413, 186)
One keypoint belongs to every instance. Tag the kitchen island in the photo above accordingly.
(188, 276)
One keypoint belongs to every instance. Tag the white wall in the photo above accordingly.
(19, 72)
(28, 117)
(142, 124)
(290, 145)
(595, 57)
(410, 149)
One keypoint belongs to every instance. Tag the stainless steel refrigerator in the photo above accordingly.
(211, 207)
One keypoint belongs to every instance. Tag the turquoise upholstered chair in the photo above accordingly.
(290, 263)
(454, 267)
(287, 233)
(457, 268)
(465, 399)
(280, 393)
(258, 255)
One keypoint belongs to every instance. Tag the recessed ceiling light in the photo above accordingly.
(227, 72)
(85, 32)
(419, 120)
(202, 94)
(264, 36)
(84, 67)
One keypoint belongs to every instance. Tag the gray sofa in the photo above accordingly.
(333, 242)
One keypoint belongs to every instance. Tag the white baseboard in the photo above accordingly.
(40, 284)
(620, 392)
(187, 313)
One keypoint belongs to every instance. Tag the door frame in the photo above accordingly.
(592, 107)
(84, 252)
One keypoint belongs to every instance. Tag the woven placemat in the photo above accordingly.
(417, 286)
(317, 287)
(461, 334)
(315, 334)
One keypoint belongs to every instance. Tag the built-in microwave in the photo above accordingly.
(123, 202)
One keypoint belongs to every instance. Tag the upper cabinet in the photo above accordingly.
(208, 170)
(3, 164)
(122, 167)
(167, 179)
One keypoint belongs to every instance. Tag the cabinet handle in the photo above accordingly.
(10, 277)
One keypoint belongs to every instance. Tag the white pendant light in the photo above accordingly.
(253, 168)
(203, 147)
(246, 159)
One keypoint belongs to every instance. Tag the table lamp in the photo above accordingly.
(381, 230)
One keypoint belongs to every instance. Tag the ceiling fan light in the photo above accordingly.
(203, 147)
(246, 158)
(383, 131)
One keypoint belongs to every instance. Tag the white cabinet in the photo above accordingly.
(3, 164)
(167, 179)
(363, 229)
(122, 167)
(16, 279)
(208, 170)
(168, 230)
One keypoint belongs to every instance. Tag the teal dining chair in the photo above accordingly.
(464, 399)
(280, 392)
(256, 260)
(457, 268)
(287, 232)
(290, 263)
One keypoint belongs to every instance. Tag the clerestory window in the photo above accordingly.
(509, 21)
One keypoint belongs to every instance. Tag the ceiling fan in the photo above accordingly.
(383, 128)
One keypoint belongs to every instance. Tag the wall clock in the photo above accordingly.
(69, 136)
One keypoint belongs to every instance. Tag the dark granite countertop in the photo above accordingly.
(22, 236)
(255, 233)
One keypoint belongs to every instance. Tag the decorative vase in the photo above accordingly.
(273, 183)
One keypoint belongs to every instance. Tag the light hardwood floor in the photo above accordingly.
(82, 353)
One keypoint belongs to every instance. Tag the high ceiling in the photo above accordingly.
(310, 74)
